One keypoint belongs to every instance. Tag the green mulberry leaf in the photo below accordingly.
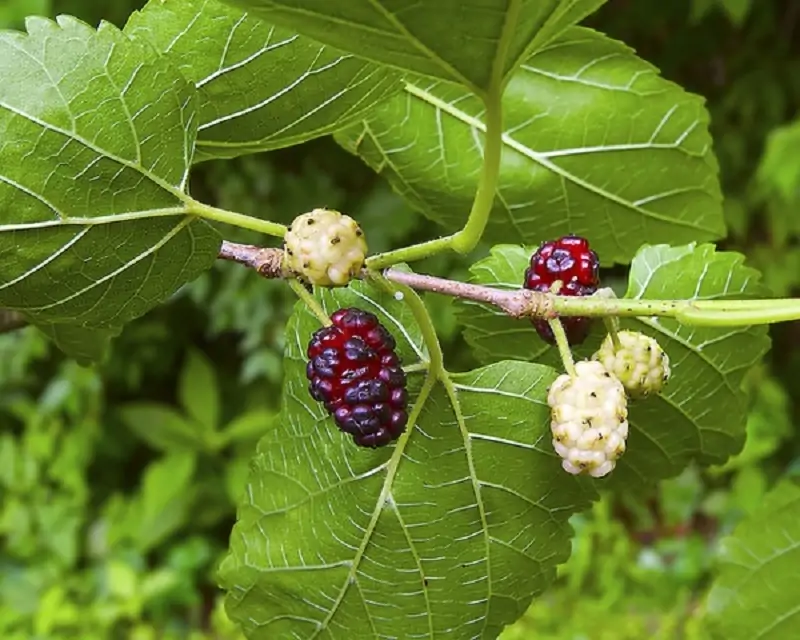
(702, 412)
(463, 42)
(246, 105)
(755, 592)
(447, 533)
(85, 345)
(595, 143)
(98, 138)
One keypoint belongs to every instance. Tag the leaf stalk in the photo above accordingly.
(470, 235)
(207, 212)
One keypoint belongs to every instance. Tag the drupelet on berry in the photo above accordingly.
(355, 372)
(324, 248)
(588, 419)
(569, 267)
(639, 362)
(568, 259)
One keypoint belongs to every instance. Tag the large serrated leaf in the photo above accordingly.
(98, 137)
(462, 42)
(446, 534)
(755, 593)
(701, 415)
(260, 86)
(595, 143)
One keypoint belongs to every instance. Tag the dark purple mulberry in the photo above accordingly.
(354, 371)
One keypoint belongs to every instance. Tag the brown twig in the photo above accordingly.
(518, 304)
(267, 262)
(11, 321)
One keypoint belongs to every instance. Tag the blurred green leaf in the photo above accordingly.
(457, 527)
(749, 486)
(596, 143)
(462, 43)
(237, 473)
(701, 414)
(14, 12)
(198, 391)
(769, 422)
(250, 426)
(779, 169)
(85, 344)
(233, 59)
(737, 10)
(162, 427)
(699, 10)
(60, 524)
(163, 503)
(122, 579)
(755, 594)
(10, 459)
(98, 141)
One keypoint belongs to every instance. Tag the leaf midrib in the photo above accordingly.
(452, 394)
(456, 75)
(386, 489)
(402, 34)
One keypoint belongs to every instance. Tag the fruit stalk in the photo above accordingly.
(563, 345)
(421, 315)
(310, 301)
(611, 322)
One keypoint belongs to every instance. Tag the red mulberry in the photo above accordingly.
(354, 371)
(570, 262)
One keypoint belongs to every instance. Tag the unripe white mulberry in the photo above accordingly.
(588, 419)
(325, 248)
(639, 362)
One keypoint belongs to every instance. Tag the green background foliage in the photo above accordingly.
(111, 528)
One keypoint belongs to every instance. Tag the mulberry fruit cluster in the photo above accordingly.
(639, 362)
(568, 267)
(325, 248)
(589, 419)
(354, 371)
